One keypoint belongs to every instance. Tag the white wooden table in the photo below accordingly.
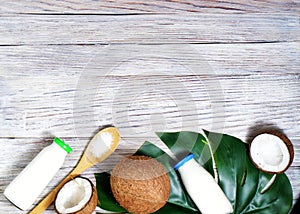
(67, 68)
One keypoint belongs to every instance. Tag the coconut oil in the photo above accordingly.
(202, 188)
(29, 184)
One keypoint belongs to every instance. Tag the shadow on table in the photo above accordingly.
(296, 208)
(260, 127)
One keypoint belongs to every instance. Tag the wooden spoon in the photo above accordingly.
(99, 148)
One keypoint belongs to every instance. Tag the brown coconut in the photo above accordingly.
(88, 208)
(140, 184)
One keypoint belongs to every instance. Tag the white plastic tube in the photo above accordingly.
(202, 188)
(29, 184)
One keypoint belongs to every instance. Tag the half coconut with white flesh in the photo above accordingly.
(76, 196)
(271, 152)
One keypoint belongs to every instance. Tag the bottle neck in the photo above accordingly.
(188, 166)
(184, 161)
(58, 149)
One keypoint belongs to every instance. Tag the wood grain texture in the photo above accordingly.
(74, 105)
(71, 61)
(143, 6)
(148, 29)
(68, 67)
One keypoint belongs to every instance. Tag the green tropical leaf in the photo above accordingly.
(242, 182)
(239, 179)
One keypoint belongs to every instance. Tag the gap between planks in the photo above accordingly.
(144, 6)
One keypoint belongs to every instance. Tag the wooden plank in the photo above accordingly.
(71, 61)
(140, 105)
(143, 6)
(27, 148)
(148, 29)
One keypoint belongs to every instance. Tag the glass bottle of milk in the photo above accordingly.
(202, 188)
(29, 184)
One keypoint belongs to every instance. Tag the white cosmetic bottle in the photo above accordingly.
(29, 184)
(202, 188)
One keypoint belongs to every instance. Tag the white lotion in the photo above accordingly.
(202, 188)
(29, 184)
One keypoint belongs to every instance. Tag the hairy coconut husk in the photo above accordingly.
(140, 184)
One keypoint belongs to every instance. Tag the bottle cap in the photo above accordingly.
(63, 145)
(183, 161)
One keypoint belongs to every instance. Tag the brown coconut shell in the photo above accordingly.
(140, 184)
(90, 206)
(288, 144)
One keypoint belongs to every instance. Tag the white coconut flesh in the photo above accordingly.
(270, 153)
(73, 196)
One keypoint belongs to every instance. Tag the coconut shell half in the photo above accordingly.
(78, 196)
(140, 184)
(271, 152)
